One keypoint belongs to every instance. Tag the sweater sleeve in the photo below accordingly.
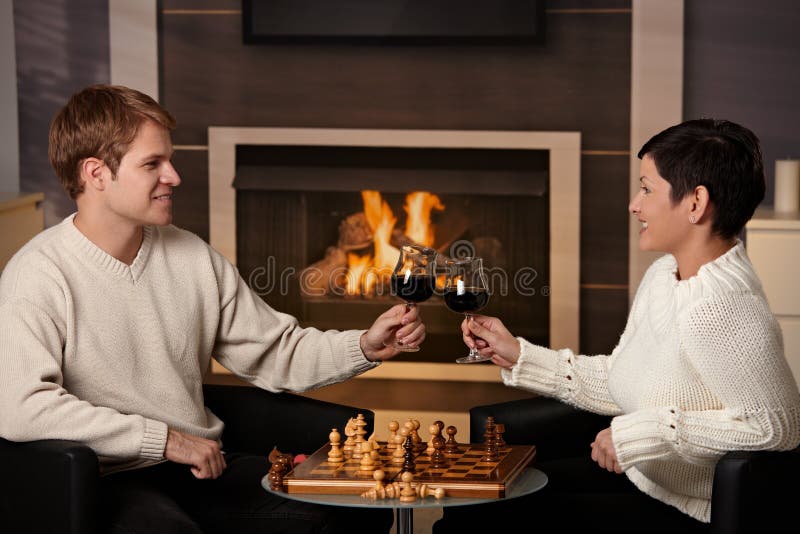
(34, 405)
(734, 344)
(581, 381)
(270, 350)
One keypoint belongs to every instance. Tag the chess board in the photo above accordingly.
(465, 475)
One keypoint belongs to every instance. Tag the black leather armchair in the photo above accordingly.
(51, 486)
(754, 491)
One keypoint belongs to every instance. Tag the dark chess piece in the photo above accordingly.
(438, 458)
(451, 445)
(490, 441)
(499, 429)
(408, 456)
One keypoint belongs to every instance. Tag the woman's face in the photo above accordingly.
(664, 224)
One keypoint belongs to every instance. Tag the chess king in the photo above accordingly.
(108, 322)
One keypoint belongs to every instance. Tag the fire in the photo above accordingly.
(364, 272)
(418, 224)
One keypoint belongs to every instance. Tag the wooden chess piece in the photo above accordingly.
(426, 491)
(429, 450)
(419, 445)
(490, 442)
(407, 494)
(499, 429)
(350, 432)
(361, 431)
(392, 490)
(451, 445)
(393, 427)
(408, 455)
(378, 475)
(399, 454)
(438, 459)
(367, 464)
(335, 455)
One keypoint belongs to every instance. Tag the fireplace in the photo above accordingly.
(300, 203)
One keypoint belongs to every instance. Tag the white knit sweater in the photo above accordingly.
(111, 355)
(698, 371)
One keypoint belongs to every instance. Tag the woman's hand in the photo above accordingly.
(603, 451)
(491, 338)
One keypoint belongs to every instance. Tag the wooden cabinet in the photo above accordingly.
(773, 244)
(21, 218)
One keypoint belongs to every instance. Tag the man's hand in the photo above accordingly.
(491, 338)
(204, 455)
(603, 451)
(411, 332)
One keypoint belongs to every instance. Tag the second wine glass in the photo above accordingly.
(413, 280)
(466, 291)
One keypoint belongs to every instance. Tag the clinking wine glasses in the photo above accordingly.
(466, 291)
(413, 280)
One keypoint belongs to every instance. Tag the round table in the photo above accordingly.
(528, 481)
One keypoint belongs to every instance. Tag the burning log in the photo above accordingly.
(354, 232)
(319, 277)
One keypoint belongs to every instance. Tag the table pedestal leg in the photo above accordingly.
(405, 521)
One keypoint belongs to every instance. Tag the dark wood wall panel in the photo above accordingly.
(190, 209)
(578, 80)
(603, 316)
(605, 193)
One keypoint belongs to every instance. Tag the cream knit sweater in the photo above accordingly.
(698, 371)
(111, 355)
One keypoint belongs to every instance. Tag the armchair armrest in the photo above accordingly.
(257, 420)
(754, 491)
(48, 486)
(555, 428)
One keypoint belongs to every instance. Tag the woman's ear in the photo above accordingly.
(699, 204)
(93, 173)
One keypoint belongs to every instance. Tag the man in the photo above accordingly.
(108, 322)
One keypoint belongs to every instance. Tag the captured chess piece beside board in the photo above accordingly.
(403, 466)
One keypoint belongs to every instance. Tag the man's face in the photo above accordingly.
(142, 190)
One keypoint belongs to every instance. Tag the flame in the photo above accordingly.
(356, 267)
(365, 272)
(418, 224)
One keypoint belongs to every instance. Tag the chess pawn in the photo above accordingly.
(407, 494)
(374, 494)
(499, 428)
(367, 464)
(426, 491)
(398, 456)
(378, 475)
(392, 490)
(393, 427)
(451, 445)
(439, 424)
(335, 455)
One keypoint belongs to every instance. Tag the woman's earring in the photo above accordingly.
(691, 219)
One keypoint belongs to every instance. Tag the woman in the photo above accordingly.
(699, 369)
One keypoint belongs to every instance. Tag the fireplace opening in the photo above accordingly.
(311, 218)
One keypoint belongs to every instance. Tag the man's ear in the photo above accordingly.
(94, 173)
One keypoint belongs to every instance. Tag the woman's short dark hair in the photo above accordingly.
(723, 156)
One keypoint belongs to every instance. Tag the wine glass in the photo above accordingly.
(466, 291)
(413, 280)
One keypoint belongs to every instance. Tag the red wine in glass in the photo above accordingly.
(470, 300)
(466, 291)
(413, 280)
